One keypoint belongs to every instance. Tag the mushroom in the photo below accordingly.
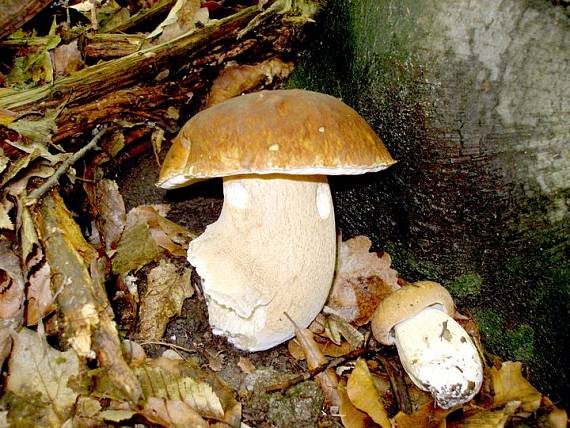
(435, 351)
(272, 250)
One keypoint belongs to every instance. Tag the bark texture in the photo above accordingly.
(473, 99)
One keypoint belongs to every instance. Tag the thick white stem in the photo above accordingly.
(439, 356)
(272, 251)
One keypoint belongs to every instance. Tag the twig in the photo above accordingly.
(169, 345)
(283, 386)
(54, 179)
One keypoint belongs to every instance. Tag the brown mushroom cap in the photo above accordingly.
(280, 131)
(405, 303)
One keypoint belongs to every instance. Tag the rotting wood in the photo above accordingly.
(103, 78)
(15, 13)
(145, 84)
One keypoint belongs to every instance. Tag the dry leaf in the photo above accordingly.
(510, 385)
(237, 79)
(35, 369)
(350, 416)
(40, 299)
(327, 348)
(199, 396)
(364, 395)
(426, 417)
(183, 17)
(362, 280)
(167, 287)
(172, 413)
(313, 354)
(215, 360)
(134, 353)
(135, 249)
(328, 379)
(557, 418)
(488, 418)
(351, 334)
(5, 220)
(147, 231)
(246, 365)
(66, 59)
(11, 285)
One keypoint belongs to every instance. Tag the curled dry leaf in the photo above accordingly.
(350, 415)
(236, 79)
(362, 392)
(326, 347)
(148, 232)
(172, 412)
(40, 299)
(66, 59)
(183, 17)
(37, 370)
(135, 249)
(11, 296)
(11, 286)
(164, 384)
(246, 365)
(487, 418)
(362, 280)
(339, 325)
(167, 287)
(510, 385)
(425, 416)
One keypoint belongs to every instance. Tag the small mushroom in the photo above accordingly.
(272, 250)
(436, 352)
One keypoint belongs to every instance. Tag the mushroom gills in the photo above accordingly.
(272, 251)
(439, 356)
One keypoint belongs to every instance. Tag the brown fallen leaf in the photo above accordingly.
(149, 232)
(362, 392)
(183, 17)
(167, 288)
(66, 59)
(487, 418)
(426, 417)
(236, 79)
(166, 381)
(362, 280)
(37, 370)
(337, 326)
(135, 249)
(246, 365)
(510, 385)
(350, 415)
(172, 412)
(11, 285)
(326, 347)
(39, 297)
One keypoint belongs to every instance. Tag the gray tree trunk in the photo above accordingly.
(473, 98)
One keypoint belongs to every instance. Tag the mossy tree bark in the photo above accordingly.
(472, 98)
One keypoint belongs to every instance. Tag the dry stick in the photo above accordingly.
(54, 179)
(169, 345)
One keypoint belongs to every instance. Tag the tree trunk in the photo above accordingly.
(472, 99)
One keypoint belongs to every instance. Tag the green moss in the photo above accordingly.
(520, 342)
(511, 343)
(490, 324)
(466, 285)
(299, 405)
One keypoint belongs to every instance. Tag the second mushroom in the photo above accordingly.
(272, 250)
